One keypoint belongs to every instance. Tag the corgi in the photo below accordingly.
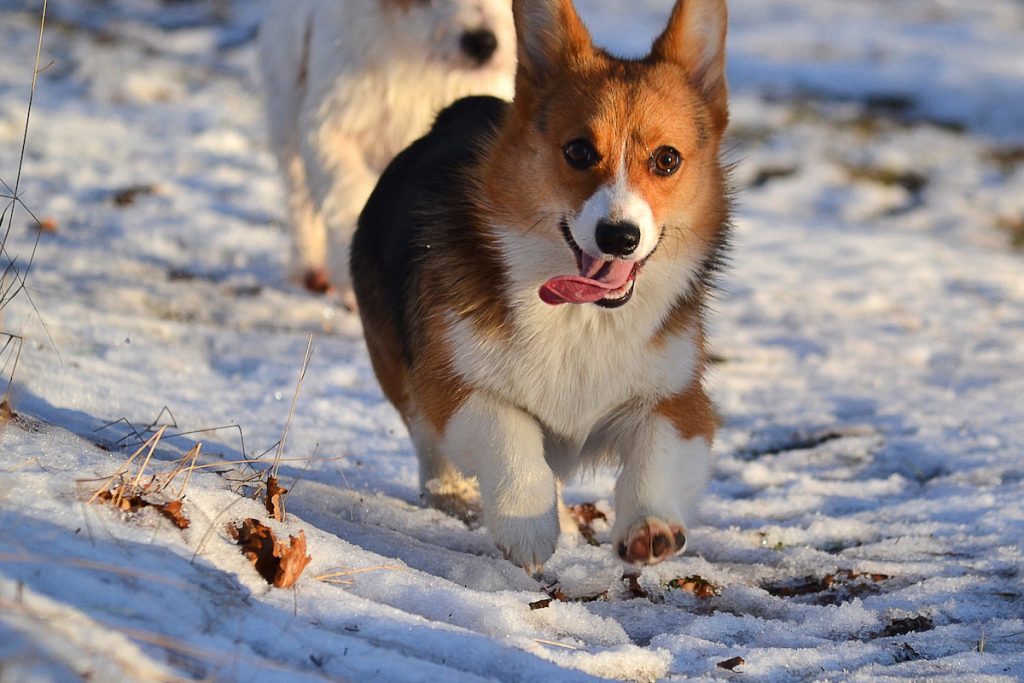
(531, 278)
(350, 83)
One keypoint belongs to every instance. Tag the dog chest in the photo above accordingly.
(571, 367)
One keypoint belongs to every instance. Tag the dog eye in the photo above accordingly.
(580, 154)
(665, 160)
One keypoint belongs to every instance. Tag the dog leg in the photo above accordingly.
(339, 183)
(504, 448)
(442, 486)
(662, 478)
(566, 522)
(309, 236)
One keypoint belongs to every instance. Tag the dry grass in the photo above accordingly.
(340, 576)
(291, 410)
(14, 276)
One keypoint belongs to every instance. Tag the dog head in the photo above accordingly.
(465, 34)
(612, 163)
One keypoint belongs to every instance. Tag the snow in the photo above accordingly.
(870, 331)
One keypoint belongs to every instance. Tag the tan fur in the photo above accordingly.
(690, 412)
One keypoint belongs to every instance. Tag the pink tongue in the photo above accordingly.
(595, 280)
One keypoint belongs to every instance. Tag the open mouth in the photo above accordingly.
(608, 284)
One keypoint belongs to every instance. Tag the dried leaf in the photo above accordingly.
(278, 564)
(257, 541)
(853, 583)
(122, 499)
(540, 604)
(633, 584)
(172, 511)
(6, 412)
(584, 515)
(732, 663)
(293, 560)
(554, 592)
(127, 195)
(699, 586)
(275, 498)
(903, 626)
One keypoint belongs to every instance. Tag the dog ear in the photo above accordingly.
(549, 34)
(695, 39)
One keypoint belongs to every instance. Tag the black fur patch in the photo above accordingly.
(421, 209)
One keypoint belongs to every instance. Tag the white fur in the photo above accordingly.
(616, 201)
(586, 379)
(663, 476)
(349, 84)
(504, 448)
(572, 365)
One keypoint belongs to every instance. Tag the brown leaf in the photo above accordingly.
(555, 592)
(257, 541)
(732, 663)
(172, 511)
(127, 195)
(810, 584)
(293, 560)
(275, 498)
(121, 499)
(699, 586)
(278, 564)
(584, 515)
(540, 604)
(633, 584)
(901, 627)
(6, 412)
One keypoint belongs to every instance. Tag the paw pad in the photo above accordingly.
(651, 541)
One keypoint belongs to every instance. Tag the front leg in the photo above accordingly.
(666, 466)
(504, 448)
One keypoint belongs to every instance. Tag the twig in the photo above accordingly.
(330, 576)
(120, 470)
(156, 440)
(555, 643)
(291, 410)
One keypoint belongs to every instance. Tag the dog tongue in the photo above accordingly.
(595, 280)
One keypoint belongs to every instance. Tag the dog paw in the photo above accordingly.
(315, 280)
(527, 541)
(456, 496)
(651, 541)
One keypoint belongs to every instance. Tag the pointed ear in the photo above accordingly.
(695, 39)
(549, 34)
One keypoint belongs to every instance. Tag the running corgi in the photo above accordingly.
(349, 84)
(531, 278)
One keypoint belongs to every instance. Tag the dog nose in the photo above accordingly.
(618, 238)
(479, 45)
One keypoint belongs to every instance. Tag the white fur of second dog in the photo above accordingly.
(349, 84)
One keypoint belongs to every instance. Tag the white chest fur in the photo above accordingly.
(572, 365)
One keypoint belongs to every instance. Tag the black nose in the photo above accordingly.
(479, 45)
(618, 238)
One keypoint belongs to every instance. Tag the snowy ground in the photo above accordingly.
(865, 521)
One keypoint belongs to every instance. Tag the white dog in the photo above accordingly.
(349, 84)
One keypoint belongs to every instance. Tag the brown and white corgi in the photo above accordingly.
(349, 84)
(532, 275)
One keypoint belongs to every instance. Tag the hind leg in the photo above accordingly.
(308, 232)
(442, 486)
